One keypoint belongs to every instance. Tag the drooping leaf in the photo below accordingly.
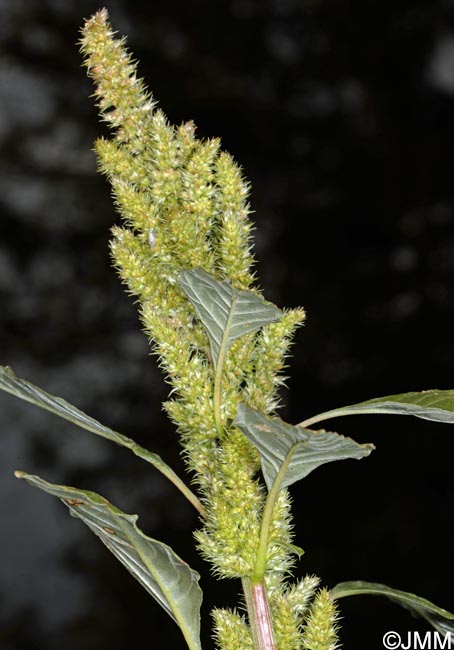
(153, 564)
(292, 451)
(226, 313)
(440, 619)
(27, 391)
(436, 405)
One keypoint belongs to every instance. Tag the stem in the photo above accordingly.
(338, 413)
(260, 564)
(167, 471)
(219, 369)
(217, 393)
(316, 418)
(254, 588)
(259, 614)
(189, 494)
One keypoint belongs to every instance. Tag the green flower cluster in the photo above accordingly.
(184, 205)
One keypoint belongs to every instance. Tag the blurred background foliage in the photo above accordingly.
(341, 113)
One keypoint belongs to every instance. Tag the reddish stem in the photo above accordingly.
(259, 614)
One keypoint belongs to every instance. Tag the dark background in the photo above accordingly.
(342, 115)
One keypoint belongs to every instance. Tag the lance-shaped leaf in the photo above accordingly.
(291, 451)
(437, 405)
(31, 393)
(226, 313)
(153, 564)
(440, 619)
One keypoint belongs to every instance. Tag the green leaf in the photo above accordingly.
(153, 564)
(27, 391)
(440, 619)
(436, 405)
(226, 313)
(290, 451)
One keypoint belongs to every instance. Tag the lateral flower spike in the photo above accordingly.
(320, 631)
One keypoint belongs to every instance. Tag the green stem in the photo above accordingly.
(167, 471)
(189, 494)
(258, 613)
(254, 588)
(260, 564)
(217, 393)
(220, 369)
(337, 413)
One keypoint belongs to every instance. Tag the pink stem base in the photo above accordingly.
(259, 614)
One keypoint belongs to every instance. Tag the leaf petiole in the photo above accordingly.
(260, 565)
